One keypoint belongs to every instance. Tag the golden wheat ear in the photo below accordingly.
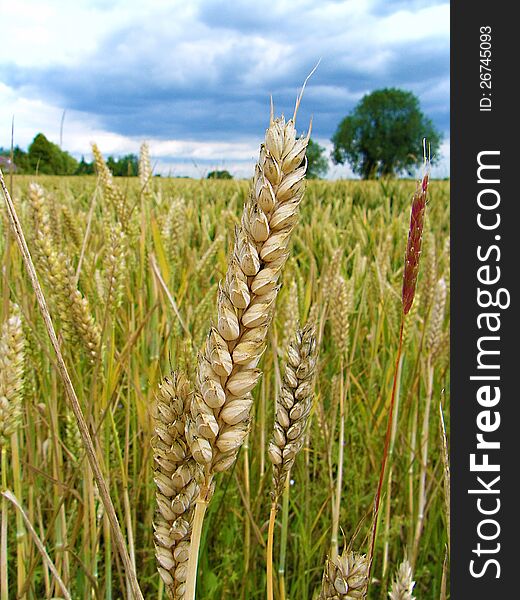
(12, 343)
(177, 477)
(227, 372)
(345, 577)
(293, 406)
(228, 365)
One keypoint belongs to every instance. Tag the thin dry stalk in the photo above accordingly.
(41, 548)
(411, 271)
(71, 393)
(447, 477)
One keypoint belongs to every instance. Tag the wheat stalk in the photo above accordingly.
(411, 271)
(228, 365)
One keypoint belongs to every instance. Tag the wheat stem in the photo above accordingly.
(385, 450)
(421, 502)
(4, 582)
(270, 541)
(283, 537)
(198, 519)
(339, 480)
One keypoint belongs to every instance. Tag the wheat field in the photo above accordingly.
(131, 269)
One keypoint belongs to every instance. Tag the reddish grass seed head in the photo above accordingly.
(413, 248)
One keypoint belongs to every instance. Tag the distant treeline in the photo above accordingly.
(47, 158)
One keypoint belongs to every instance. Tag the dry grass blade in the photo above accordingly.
(41, 548)
(71, 393)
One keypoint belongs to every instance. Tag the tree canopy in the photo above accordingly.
(223, 174)
(44, 157)
(48, 158)
(383, 134)
(317, 163)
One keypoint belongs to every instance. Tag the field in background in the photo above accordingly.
(151, 290)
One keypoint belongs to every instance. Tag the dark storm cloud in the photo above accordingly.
(210, 78)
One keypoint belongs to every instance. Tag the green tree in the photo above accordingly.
(220, 175)
(85, 168)
(20, 159)
(383, 134)
(47, 158)
(317, 163)
(124, 166)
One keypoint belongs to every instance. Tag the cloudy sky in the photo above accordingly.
(194, 78)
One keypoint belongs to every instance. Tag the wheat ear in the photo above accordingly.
(227, 367)
(345, 577)
(403, 584)
(177, 477)
(115, 197)
(291, 416)
(411, 271)
(293, 406)
(12, 344)
(413, 248)
(72, 307)
(145, 170)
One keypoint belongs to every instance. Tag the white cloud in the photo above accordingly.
(179, 63)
